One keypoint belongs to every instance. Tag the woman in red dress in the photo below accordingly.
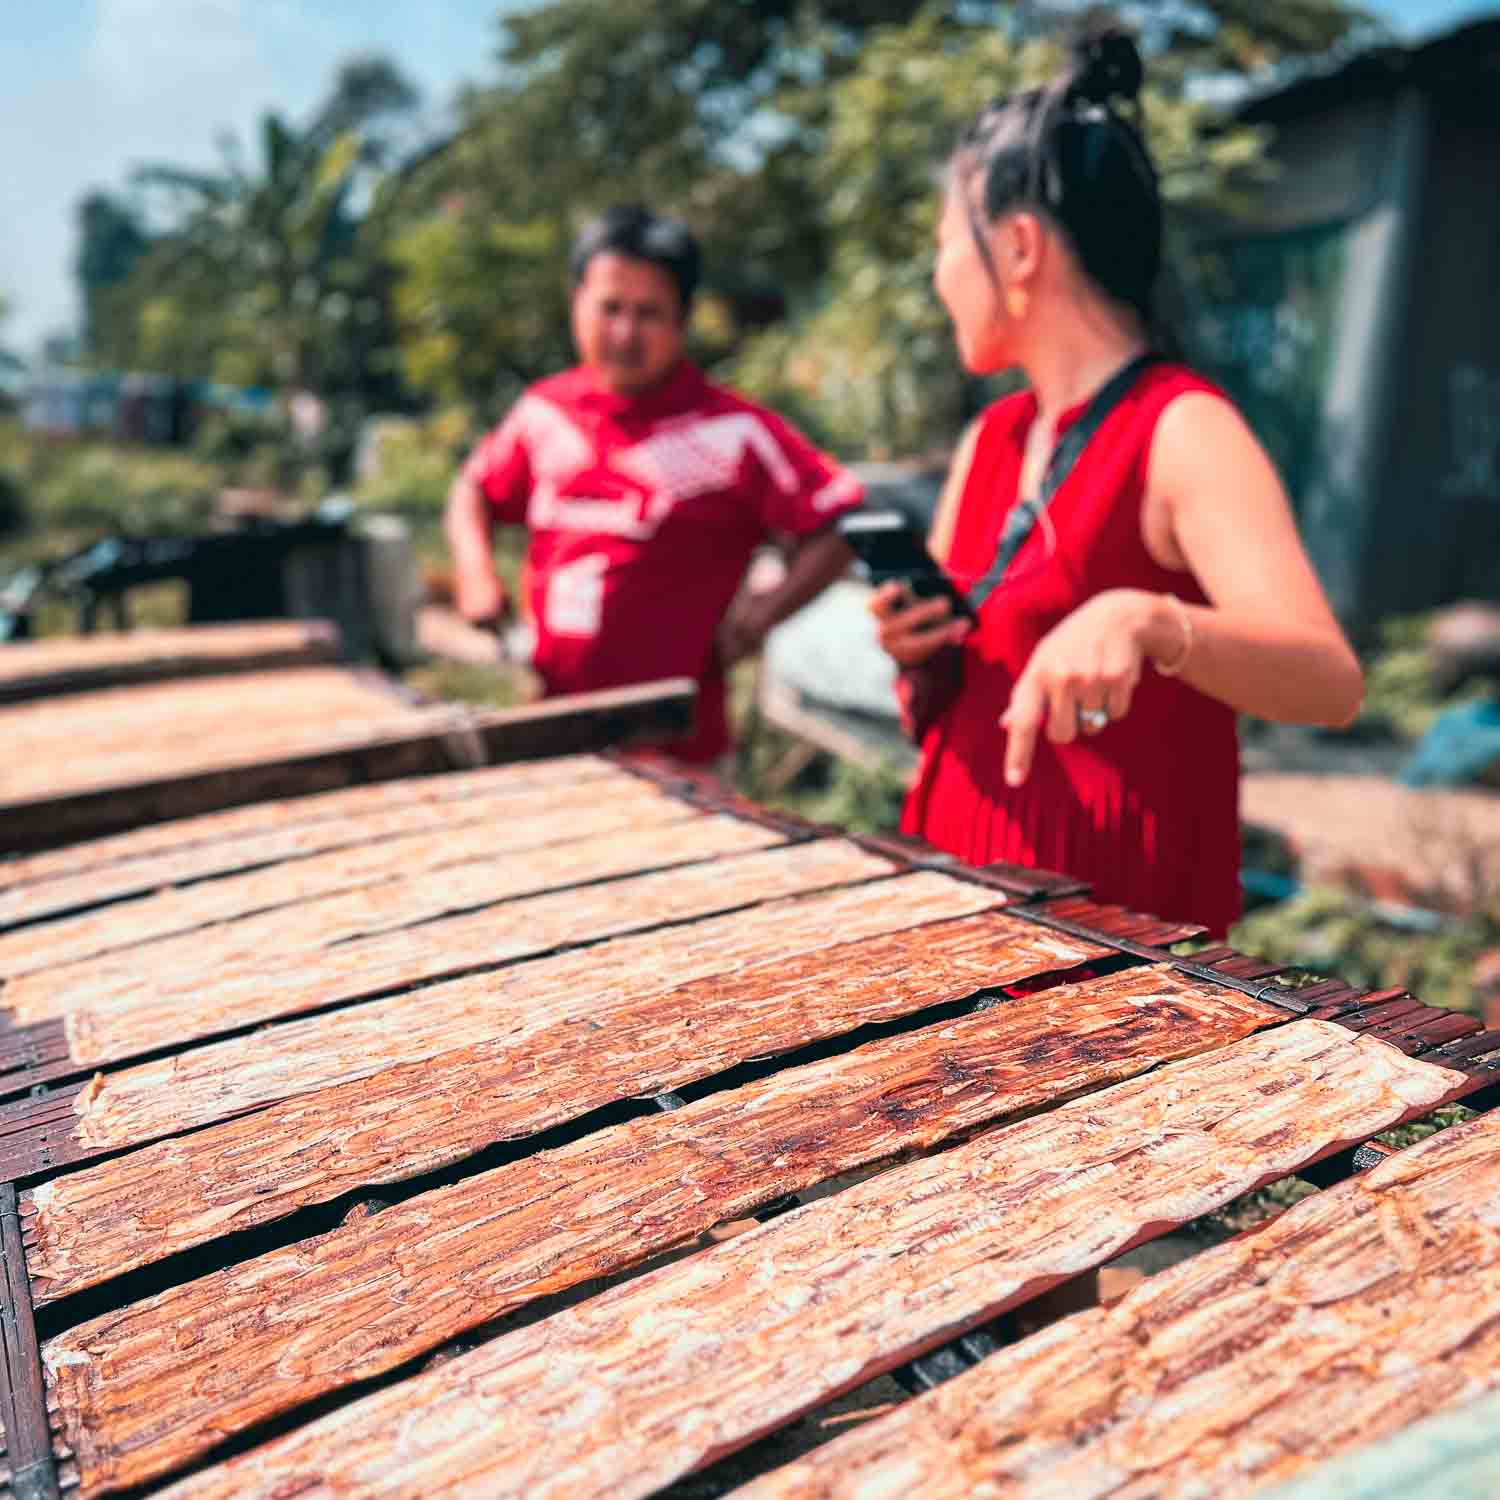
(1087, 722)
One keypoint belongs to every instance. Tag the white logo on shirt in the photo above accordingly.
(679, 461)
(838, 491)
(575, 596)
(553, 512)
(555, 445)
(682, 460)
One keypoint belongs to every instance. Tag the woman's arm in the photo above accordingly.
(1267, 644)
(913, 632)
(945, 513)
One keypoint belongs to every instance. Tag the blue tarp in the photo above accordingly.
(1460, 746)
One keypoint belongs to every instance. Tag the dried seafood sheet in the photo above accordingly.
(87, 741)
(128, 923)
(583, 1030)
(625, 1392)
(268, 818)
(382, 937)
(24, 663)
(1358, 1312)
(147, 1389)
(200, 859)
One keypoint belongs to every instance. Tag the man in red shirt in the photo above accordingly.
(645, 490)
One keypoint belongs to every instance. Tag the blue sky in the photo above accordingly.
(94, 87)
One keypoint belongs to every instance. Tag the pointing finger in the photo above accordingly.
(1023, 722)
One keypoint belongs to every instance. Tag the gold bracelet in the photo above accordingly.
(1186, 621)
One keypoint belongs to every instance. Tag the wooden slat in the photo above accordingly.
(606, 1024)
(236, 824)
(490, 830)
(574, 722)
(304, 755)
(219, 857)
(34, 669)
(124, 734)
(631, 1389)
(360, 942)
(1351, 1316)
(84, 765)
(1026, 883)
(144, 1390)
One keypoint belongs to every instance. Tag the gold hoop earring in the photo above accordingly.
(1017, 303)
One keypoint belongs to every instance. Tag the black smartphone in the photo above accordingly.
(891, 548)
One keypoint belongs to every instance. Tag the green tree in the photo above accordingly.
(799, 140)
(8, 360)
(868, 361)
(672, 102)
(266, 273)
(481, 305)
(111, 243)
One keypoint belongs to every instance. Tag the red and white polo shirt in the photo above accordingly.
(644, 512)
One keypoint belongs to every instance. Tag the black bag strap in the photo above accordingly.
(1027, 512)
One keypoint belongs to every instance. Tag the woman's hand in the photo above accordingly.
(1086, 666)
(913, 631)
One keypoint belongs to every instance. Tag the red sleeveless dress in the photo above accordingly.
(1147, 811)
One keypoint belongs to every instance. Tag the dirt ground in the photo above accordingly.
(1339, 806)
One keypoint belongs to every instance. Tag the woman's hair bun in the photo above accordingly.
(1106, 65)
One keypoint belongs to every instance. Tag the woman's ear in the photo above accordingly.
(1022, 245)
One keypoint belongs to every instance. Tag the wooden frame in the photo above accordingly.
(561, 1060)
(440, 740)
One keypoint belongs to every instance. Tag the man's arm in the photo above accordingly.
(468, 524)
(494, 485)
(818, 561)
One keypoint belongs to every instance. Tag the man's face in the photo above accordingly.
(627, 322)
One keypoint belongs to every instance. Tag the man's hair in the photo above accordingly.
(633, 230)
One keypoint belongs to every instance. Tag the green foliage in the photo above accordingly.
(481, 303)
(232, 437)
(14, 517)
(414, 464)
(71, 493)
(1440, 1119)
(798, 138)
(268, 274)
(1402, 696)
(451, 681)
(95, 488)
(779, 770)
(1330, 931)
(1400, 690)
(112, 241)
(700, 107)
(871, 361)
(859, 798)
(1253, 37)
